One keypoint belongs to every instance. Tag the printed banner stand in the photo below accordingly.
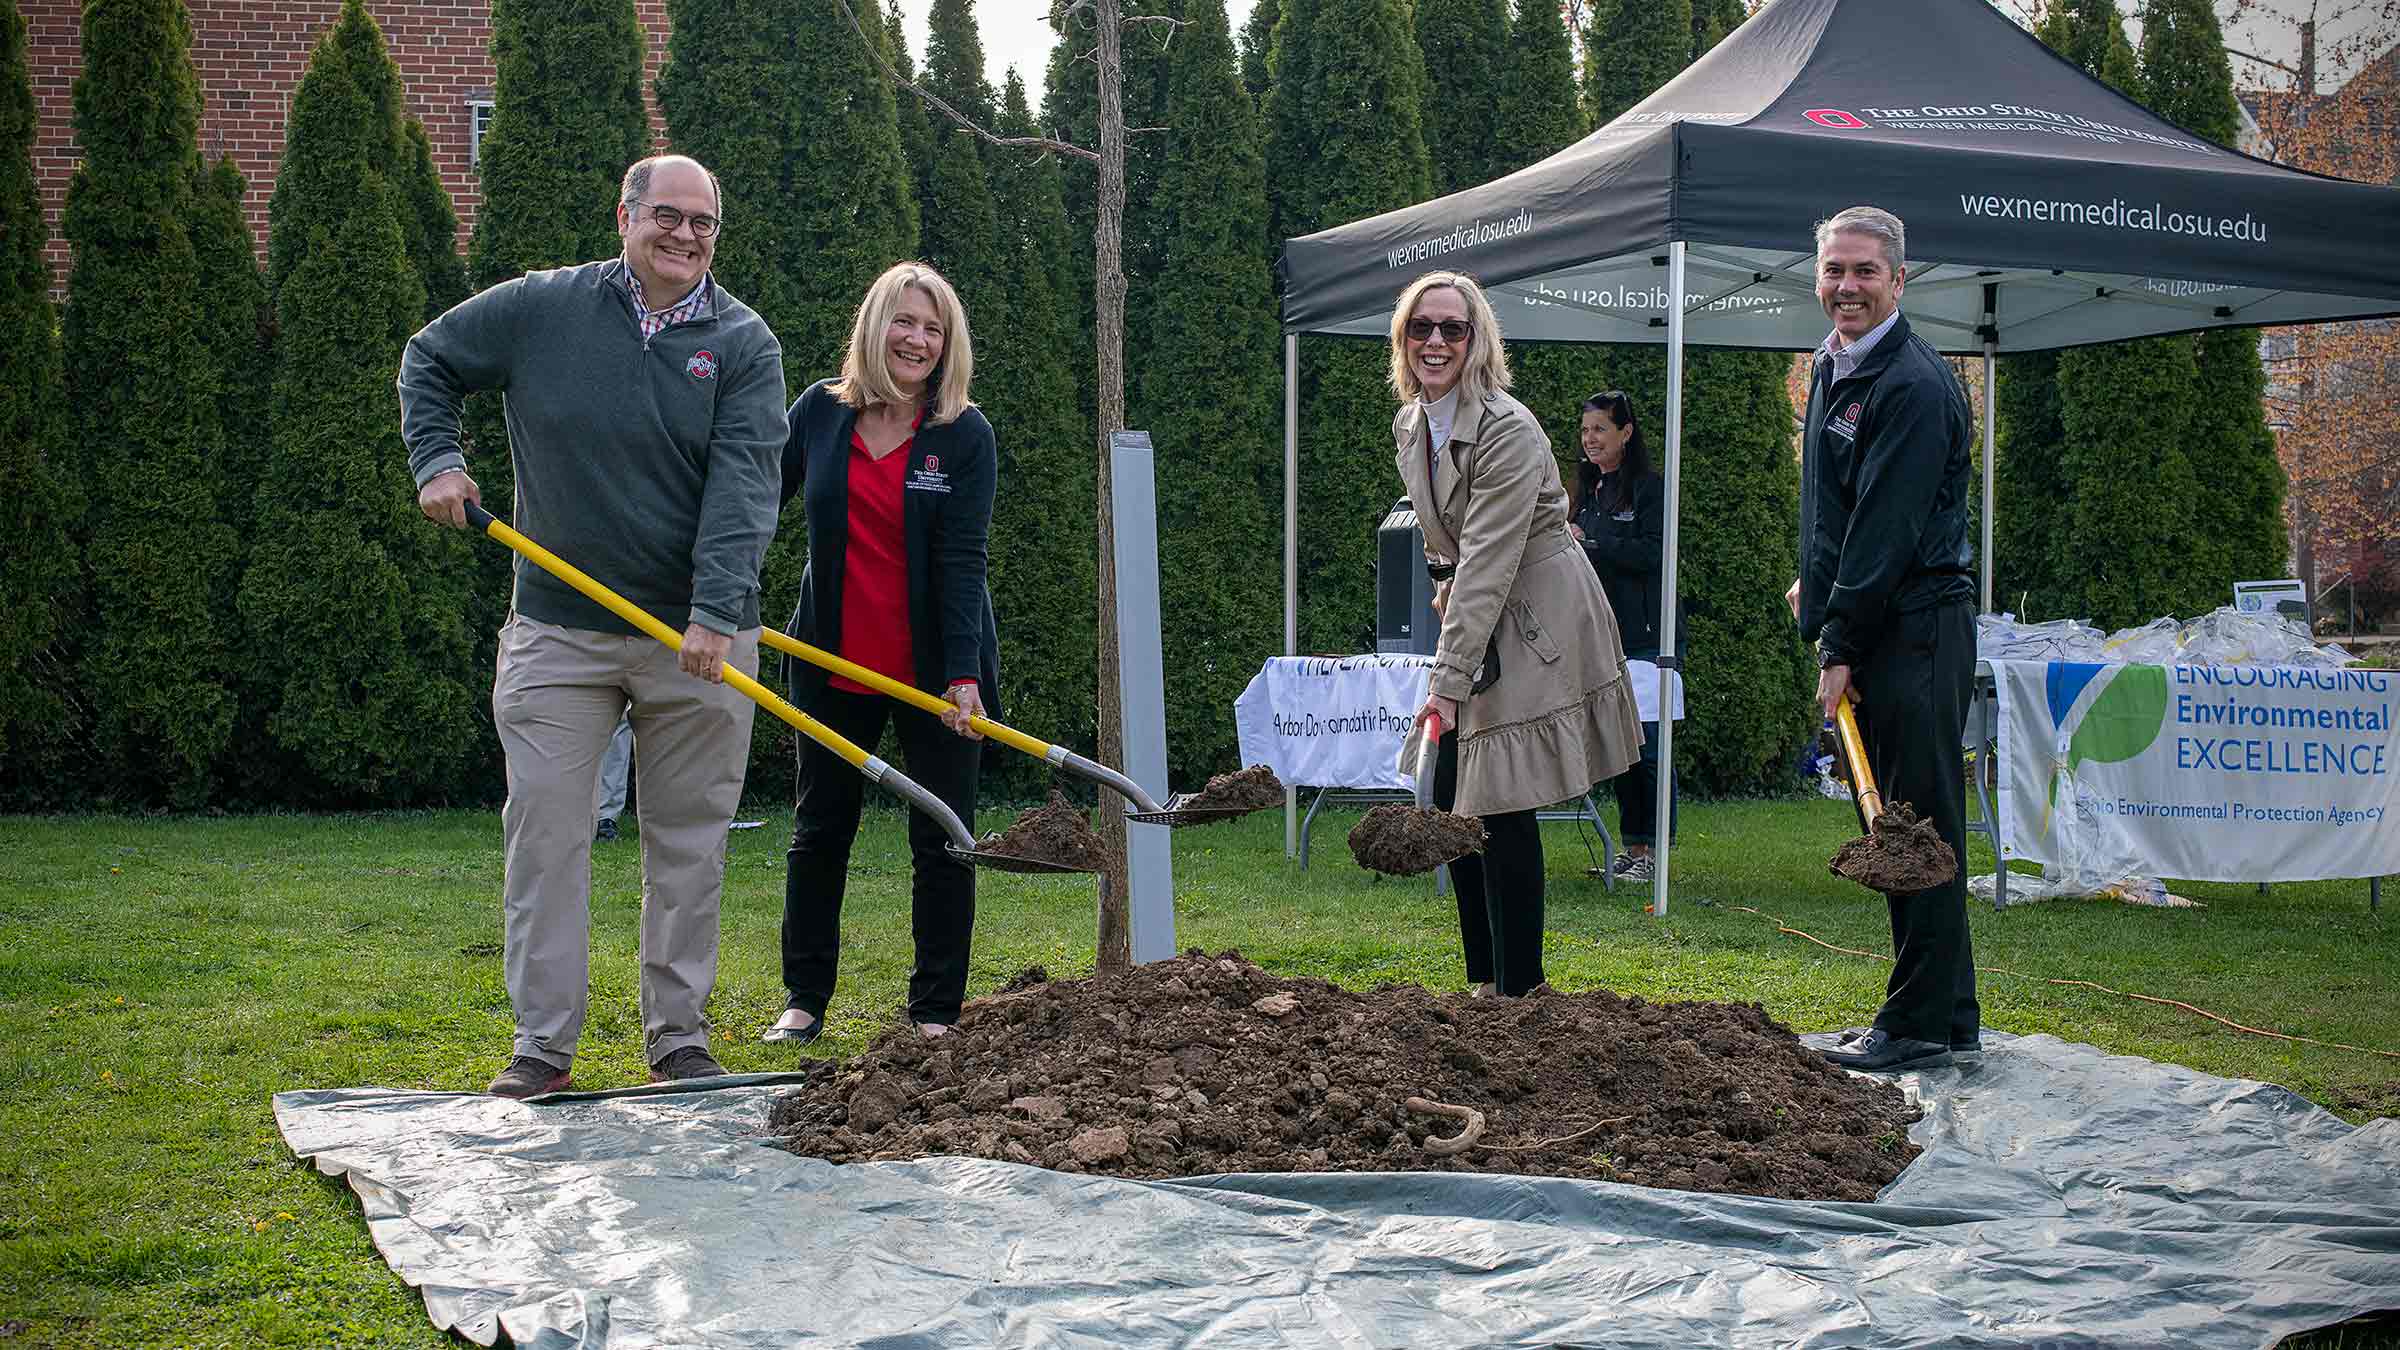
(2202, 773)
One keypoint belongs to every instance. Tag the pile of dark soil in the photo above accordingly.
(1057, 831)
(1408, 841)
(1202, 1064)
(1251, 789)
(1901, 852)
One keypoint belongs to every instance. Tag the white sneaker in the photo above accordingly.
(1636, 868)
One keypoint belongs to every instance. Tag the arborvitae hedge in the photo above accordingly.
(39, 571)
(2237, 516)
(1346, 142)
(2124, 412)
(431, 223)
(789, 109)
(141, 386)
(2030, 491)
(356, 606)
(567, 118)
(1462, 42)
(1258, 38)
(1043, 525)
(1631, 49)
(1209, 390)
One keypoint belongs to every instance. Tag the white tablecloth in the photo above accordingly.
(2202, 773)
(1322, 721)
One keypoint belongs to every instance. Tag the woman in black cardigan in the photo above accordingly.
(895, 468)
(1620, 517)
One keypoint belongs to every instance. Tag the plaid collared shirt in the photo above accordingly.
(654, 319)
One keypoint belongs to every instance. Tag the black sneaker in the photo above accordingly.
(1636, 867)
(526, 1076)
(605, 832)
(691, 1061)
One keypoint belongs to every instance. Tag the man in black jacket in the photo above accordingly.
(1886, 591)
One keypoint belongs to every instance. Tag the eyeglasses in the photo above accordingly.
(671, 220)
(1453, 331)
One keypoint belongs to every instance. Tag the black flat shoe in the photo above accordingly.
(794, 1035)
(1881, 1052)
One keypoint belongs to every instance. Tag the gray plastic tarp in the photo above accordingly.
(2066, 1197)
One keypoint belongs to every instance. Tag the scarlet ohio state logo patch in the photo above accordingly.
(702, 366)
(933, 464)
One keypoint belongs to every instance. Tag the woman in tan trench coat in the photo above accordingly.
(1529, 696)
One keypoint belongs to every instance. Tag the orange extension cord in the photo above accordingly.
(1782, 927)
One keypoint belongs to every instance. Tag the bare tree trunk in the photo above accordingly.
(1108, 247)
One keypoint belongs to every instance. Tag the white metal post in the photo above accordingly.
(1668, 676)
(1291, 553)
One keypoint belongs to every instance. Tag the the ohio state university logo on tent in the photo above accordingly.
(702, 366)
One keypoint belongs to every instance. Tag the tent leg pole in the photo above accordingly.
(1291, 553)
(1669, 677)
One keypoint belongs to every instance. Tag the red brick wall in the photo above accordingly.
(251, 54)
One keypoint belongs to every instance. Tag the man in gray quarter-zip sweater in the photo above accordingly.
(646, 424)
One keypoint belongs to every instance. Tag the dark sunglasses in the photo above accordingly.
(1453, 331)
(1613, 400)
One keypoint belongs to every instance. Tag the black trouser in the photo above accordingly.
(1913, 690)
(1499, 890)
(1637, 794)
(942, 891)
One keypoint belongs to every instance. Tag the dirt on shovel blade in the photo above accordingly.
(1055, 832)
(1901, 853)
(1251, 789)
(1202, 1064)
(1408, 841)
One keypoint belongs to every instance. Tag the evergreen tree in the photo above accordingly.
(2030, 490)
(432, 226)
(1210, 393)
(567, 118)
(1042, 560)
(236, 298)
(1630, 50)
(2122, 501)
(1712, 20)
(1258, 39)
(39, 572)
(915, 119)
(1346, 143)
(960, 223)
(356, 607)
(2237, 520)
(779, 101)
(1537, 112)
(141, 384)
(1463, 42)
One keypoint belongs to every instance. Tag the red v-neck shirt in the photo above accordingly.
(875, 566)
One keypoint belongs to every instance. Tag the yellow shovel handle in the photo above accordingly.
(1854, 749)
(642, 619)
(906, 693)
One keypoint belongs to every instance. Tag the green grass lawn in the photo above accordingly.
(161, 978)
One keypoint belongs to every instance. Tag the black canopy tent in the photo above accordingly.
(2043, 210)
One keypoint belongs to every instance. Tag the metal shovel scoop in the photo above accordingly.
(962, 842)
(1900, 852)
(1147, 811)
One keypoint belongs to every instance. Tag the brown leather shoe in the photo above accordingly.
(691, 1061)
(526, 1076)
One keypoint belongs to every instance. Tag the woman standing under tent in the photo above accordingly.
(896, 470)
(1528, 698)
(1620, 519)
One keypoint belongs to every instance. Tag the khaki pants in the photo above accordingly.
(556, 697)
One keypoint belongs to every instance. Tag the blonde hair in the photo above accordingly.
(1486, 371)
(866, 364)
